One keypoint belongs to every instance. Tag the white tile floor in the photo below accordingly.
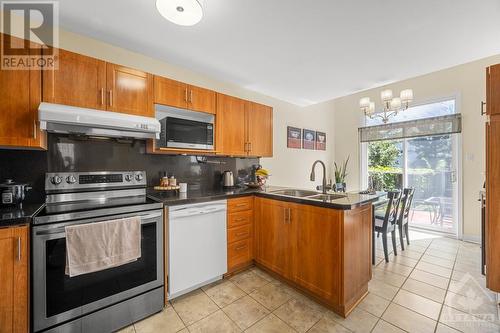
(435, 285)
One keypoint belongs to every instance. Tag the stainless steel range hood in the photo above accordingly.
(58, 118)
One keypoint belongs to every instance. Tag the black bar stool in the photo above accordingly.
(387, 223)
(404, 212)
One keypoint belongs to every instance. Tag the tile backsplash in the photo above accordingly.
(67, 153)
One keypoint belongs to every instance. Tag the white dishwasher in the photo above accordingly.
(197, 246)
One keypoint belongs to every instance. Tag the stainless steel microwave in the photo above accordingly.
(185, 129)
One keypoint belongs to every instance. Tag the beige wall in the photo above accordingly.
(467, 83)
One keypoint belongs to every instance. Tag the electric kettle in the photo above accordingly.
(227, 179)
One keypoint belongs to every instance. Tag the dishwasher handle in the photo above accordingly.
(193, 211)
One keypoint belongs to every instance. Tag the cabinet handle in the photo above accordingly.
(289, 215)
(482, 108)
(241, 233)
(241, 205)
(241, 248)
(239, 220)
(18, 249)
(111, 98)
(34, 129)
(190, 96)
(102, 96)
(186, 95)
(249, 147)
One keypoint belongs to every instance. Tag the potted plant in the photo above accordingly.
(340, 176)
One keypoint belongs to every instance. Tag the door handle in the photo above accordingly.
(483, 104)
(18, 249)
(102, 96)
(111, 98)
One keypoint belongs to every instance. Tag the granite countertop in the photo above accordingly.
(349, 201)
(19, 214)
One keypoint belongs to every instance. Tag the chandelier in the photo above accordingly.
(392, 105)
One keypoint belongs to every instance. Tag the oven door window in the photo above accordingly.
(188, 131)
(64, 293)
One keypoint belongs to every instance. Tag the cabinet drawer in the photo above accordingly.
(239, 219)
(239, 253)
(239, 233)
(240, 204)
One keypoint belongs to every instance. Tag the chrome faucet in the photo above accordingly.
(313, 176)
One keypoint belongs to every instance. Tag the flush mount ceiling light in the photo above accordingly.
(181, 12)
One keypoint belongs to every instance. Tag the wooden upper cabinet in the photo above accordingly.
(20, 95)
(15, 280)
(181, 95)
(78, 81)
(259, 129)
(231, 125)
(493, 90)
(202, 100)
(129, 90)
(170, 92)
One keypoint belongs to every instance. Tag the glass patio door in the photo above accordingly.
(427, 164)
(431, 169)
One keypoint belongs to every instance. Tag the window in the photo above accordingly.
(417, 149)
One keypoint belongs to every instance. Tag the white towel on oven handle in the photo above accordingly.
(93, 247)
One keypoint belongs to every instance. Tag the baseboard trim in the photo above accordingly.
(472, 239)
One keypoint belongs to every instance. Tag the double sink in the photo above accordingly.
(305, 194)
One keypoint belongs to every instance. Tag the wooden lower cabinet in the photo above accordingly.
(318, 242)
(14, 277)
(322, 251)
(274, 237)
(240, 240)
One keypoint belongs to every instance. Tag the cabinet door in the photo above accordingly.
(78, 81)
(129, 90)
(492, 231)
(260, 129)
(493, 90)
(231, 125)
(170, 92)
(316, 257)
(202, 100)
(14, 276)
(20, 95)
(273, 236)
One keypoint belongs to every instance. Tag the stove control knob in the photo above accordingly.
(71, 179)
(129, 177)
(139, 177)
(56, 180)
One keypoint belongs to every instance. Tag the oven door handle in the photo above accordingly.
(61, 230)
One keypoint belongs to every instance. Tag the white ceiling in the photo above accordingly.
(300, 51)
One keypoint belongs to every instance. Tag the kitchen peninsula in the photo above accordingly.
(318, 243)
